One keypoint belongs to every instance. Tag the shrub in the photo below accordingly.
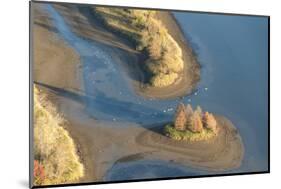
(54, 149)
(38, 173)
(148, 34)
(163, 80)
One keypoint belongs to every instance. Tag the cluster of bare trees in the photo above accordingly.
(193, 120)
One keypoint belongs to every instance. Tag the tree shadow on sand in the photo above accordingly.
(85, 21)
(110, 107)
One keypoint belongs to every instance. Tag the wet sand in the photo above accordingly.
(57, 71)
(223, 152)
(83, 23)
(102, 144)
(55, 63)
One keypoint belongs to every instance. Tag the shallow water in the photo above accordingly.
(233, 53)
(148, 169)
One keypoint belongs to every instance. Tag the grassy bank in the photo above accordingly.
(164, 62)
(188, 135)
(55, 157)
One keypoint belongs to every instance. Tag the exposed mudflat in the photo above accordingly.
(86, 26)
(58, 72)
(222, 152)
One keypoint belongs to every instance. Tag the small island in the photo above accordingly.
(192, 125)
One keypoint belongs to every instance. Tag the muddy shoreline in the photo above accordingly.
(190, 77)
(223, 152)
(95, 31)
(101, 144)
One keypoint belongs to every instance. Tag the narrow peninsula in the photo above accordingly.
(196, 138)
(162, 63)
(159, 59)
(163, 57)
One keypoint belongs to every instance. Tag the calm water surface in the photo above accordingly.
(233, 53)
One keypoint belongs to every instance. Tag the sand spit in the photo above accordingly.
(224, 152)
(101, 144)
(191, 73)
(85, 25)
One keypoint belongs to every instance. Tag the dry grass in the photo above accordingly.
(191, 125)
(54, 149)
(188, 135)
(162, 80)
(148, 34)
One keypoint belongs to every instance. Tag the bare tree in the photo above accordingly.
(196, 122)
(199, 110)
(180, 118)
(210, 121)
(189, 111)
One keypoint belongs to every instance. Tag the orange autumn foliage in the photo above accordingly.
(195, 121)
(38, 172)
(209, 121)
(180, 117)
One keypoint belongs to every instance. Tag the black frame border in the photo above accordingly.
(134, 180)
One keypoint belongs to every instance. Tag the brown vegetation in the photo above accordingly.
(192, 125)
(196, 122)
(56, 159)
(164, 61)
(210, 121)
(38, 173)
(180, 117)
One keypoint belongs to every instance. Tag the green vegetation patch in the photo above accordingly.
(187, 135)
(148, 34)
